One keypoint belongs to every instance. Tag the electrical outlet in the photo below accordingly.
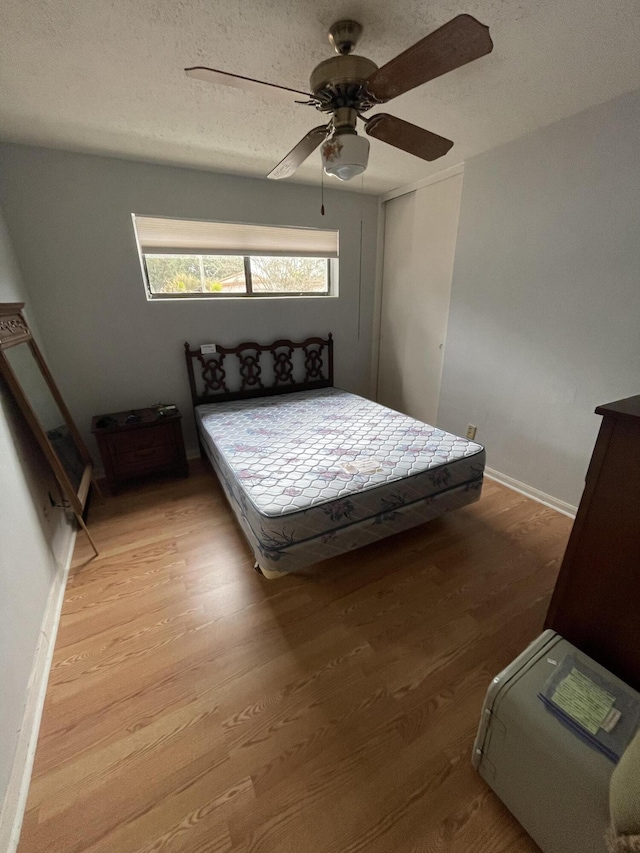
(471, 431)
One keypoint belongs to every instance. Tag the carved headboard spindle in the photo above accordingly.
(282, 365)
(250, 370)
(213, 372)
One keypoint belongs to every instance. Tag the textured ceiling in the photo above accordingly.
(106, 75)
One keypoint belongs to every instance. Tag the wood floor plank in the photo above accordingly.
(60, 789)
(194, 707)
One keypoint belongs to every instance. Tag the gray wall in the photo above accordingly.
(545, 309)
(69, 217)
(34, 542)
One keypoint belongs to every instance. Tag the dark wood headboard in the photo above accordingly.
(289, 366)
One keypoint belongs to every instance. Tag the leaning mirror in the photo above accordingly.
(27, 376)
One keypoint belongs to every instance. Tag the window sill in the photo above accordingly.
(238, 298)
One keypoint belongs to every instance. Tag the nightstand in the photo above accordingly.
(136, 443)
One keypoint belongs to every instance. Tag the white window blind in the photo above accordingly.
(196, 237)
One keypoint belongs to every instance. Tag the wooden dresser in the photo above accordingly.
(139, 442)
(596, 601)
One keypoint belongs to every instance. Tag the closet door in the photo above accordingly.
(420, 237)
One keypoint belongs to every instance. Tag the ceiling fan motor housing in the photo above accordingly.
(341, 82)
(344, 35)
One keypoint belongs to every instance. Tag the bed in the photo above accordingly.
(312, 471)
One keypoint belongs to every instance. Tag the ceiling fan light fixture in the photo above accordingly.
(345, 155)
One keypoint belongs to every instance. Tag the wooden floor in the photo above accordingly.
(194, 706)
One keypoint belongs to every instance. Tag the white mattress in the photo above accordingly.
(299, 465)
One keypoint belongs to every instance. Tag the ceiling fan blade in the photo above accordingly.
(409, 137)
(457, 42)
(300, 152)
(237, 81)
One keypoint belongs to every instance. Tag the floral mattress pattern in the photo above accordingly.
(301, 465)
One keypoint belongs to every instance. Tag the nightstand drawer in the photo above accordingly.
(146, 459)
(142, 439)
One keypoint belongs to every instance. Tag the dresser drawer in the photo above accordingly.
(142, 439)
(146, 459)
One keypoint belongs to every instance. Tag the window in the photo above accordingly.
(195, 259)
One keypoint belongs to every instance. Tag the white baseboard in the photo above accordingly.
(530, 492)
(15, 799)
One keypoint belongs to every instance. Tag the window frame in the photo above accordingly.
(332, 269)
(250, 293)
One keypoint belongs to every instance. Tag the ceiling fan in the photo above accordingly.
(347, 86)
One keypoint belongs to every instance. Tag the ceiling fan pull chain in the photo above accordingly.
(321, 188)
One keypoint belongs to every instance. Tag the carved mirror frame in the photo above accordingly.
(14, 330)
